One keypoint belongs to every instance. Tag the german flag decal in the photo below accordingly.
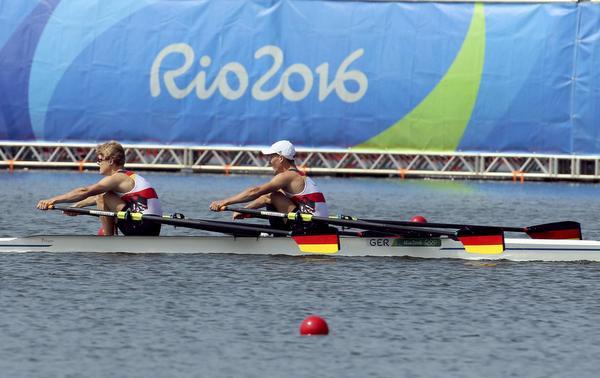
(488, 242)
(325, 244)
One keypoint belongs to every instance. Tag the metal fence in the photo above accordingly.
(517, 167)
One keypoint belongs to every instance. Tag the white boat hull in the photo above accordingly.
(515, 249)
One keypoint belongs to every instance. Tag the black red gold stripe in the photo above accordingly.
(483, 244)
(329, 243)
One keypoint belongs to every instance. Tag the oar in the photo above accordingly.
(360, 224)
(554, 230)
(200, 224)
(311, 242)
(487, 240)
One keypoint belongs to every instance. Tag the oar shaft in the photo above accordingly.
(84, 211)
(444, 225)
(555, 230)
(199, 224)
(372, 226)
(215, 226)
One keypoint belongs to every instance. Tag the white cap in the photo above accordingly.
(283, 148)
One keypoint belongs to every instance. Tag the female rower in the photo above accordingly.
(288, 191)
(119, 190)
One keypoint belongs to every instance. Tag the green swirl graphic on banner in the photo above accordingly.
(439, 121)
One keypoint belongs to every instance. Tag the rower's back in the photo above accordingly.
(307, 195)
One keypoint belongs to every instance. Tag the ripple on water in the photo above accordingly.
(230, 316)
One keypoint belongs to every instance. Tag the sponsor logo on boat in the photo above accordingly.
(410, 242)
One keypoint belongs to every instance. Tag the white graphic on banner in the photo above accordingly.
(343, 76)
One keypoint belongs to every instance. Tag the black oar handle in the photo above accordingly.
(257, 213)
(84, 211)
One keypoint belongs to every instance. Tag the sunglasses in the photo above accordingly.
(100, 160)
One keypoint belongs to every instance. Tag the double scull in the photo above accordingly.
(516, 249)
(334, 236)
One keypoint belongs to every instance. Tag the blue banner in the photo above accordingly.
(361, 75)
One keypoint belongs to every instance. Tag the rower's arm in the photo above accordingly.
(278, 182)
(86, 202)
(252, 193)
(80, 194)
(257, 203)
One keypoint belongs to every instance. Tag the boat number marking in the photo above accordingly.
(412, 242)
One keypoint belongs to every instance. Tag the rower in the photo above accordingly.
(119, 190)
(290, 190)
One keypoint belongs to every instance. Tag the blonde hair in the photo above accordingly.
(112, 150)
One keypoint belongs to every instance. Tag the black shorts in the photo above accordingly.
(287, 225)
(138, 228)
(280, 223)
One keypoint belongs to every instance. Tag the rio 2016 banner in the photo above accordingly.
(331, 74)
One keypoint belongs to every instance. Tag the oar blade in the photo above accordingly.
(486, 241)
(556, 230)
(319, 243)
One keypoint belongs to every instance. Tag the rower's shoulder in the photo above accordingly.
(283, 179)
(290, 175)
(121, 176)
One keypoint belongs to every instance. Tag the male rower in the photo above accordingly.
(289, 191)
(119, 190)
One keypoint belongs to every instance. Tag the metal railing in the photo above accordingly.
(513, 166)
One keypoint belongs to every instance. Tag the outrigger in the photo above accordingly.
(336, 236)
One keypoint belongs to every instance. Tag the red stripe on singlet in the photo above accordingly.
(314, 197)
(146, 193)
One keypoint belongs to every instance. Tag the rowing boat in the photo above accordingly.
(516, 249)
(312, 235)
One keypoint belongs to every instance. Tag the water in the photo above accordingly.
(98, 315)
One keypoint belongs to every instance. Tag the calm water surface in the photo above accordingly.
(99, 315)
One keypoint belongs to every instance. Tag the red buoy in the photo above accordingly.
(418, 219)
(101, 231)
(314, 325)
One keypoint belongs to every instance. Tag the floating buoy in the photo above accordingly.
(101, 231)
(314, 325)
(418, 219)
